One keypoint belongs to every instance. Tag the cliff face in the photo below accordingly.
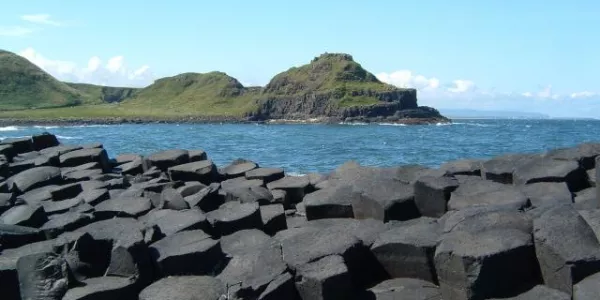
(328, 105)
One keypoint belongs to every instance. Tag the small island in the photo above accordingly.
(332, 88)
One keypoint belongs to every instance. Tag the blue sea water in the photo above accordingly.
(306, 148)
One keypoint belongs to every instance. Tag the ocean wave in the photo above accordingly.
(354, 123)
(471, 124)
(443, 124)
(391, 124)
(68, 137)
(90, 126)
(9, 128)
(294, 174)
(45, 127)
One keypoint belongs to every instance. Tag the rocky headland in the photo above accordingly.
(78, 224)
(330, 88)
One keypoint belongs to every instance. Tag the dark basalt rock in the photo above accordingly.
(169, 158)
(325, 278)
(487, 193)
(14, 236)
(333, 202)
(123, 207)
(295, 187)
(563, 265)
(587, 289)
(273, 217)
(66, 191)
(252, 194)
(185, 287)
(500, 169)
(135, 167)
(407, 250)
(238, 169)
(106, 287)
(550, 170)
(491, 263)
(191, 187)
(173, 221)
(19, 145)
(35, 178)
(172, 255)
(584, 154)
(202, 171)
(540, 292)
(24, 215)
(208, 199)
(468, 167)
(432, 194)
(172, 199)
(404, 289)
(68, 221)
(548, 193)
(197, 155)
(233, 216)
(44, 140)
(239, 242)
(254, 269)
(267, 175)
(282, 287)
(84, 156)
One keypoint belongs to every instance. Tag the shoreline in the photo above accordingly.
(209, 120)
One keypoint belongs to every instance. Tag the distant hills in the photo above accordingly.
(332, 85)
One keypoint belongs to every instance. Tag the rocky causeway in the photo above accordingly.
(78, 224)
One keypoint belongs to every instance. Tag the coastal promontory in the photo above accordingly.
(333, 87)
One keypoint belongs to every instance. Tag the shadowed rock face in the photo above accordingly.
(176, 227)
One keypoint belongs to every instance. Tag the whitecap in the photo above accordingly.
(443, 124)
(68, 137)
(354, 123)
(295, 174)
(45, 127)
(392, 124)
(9, 128)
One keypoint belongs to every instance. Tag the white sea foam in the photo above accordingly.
(294, 174)
(392, 124)
(45, 127)
(9, 128)
(68, 137)
(443, 124)
(354, 123)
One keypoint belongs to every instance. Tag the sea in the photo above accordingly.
(307, 148)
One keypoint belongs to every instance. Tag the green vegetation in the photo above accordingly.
(26, 91)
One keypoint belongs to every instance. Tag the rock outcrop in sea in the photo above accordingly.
(77, 224)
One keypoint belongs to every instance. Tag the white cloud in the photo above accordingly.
(465, 94)
(461, 86)
(44, 19)
(584, 94)
(14, 31)
(406, 79)
(114, 73)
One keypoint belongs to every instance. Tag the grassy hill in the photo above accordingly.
(330, 73)
(330, 83)
(23, 85)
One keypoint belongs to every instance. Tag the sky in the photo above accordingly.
(534, 56)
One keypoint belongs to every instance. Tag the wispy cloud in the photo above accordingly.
(114, 72)
(15, 31)
(465, 94)
(42, 19)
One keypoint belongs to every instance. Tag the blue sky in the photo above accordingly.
(541, 56)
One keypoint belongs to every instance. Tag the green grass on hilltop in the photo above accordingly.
(23, 85)
(210, 94)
